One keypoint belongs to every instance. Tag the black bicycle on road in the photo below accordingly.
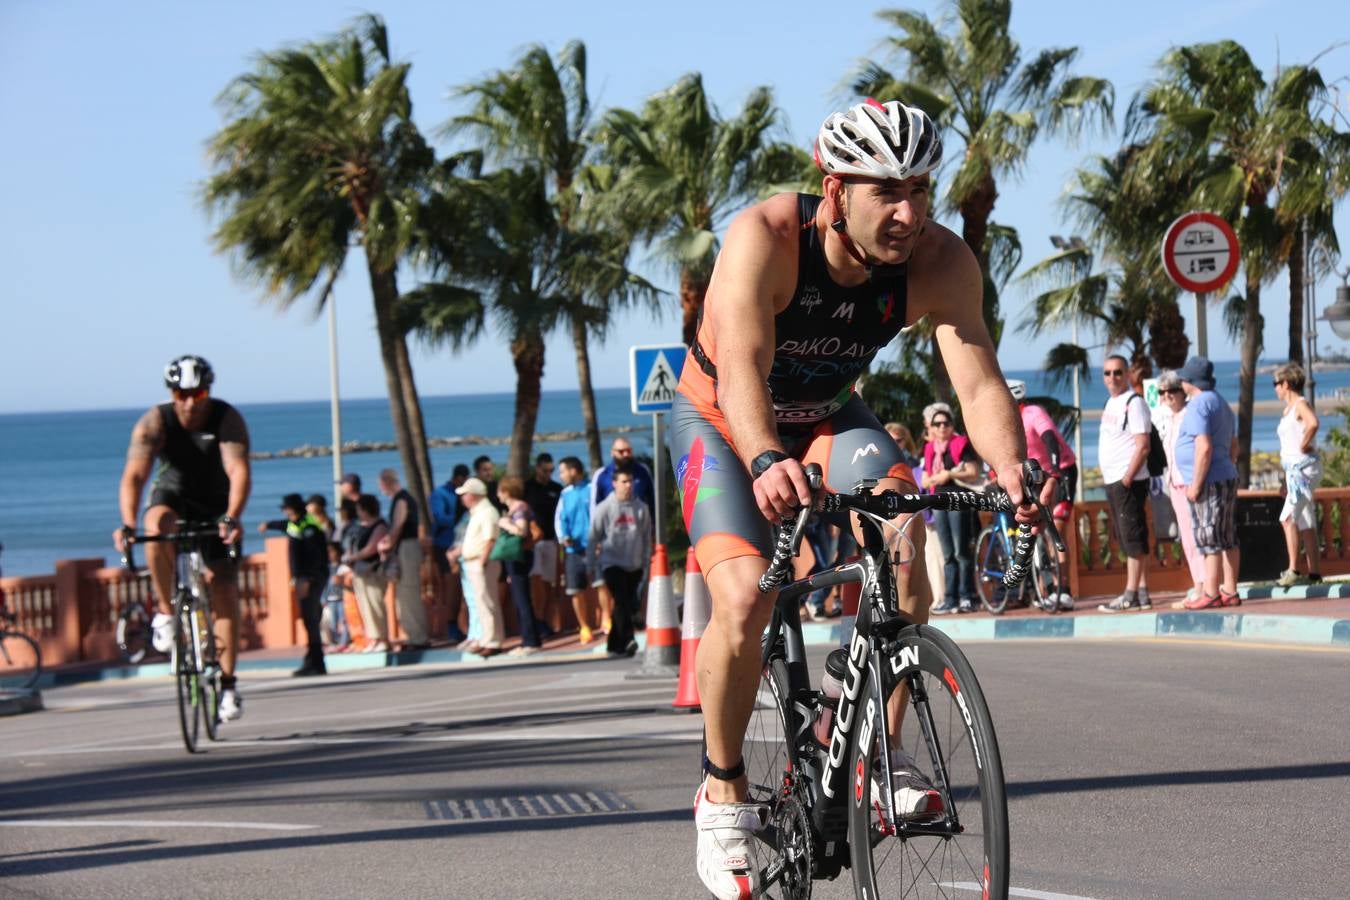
(195, 658)
(906, 685)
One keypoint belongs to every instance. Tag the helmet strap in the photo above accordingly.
(840, 227)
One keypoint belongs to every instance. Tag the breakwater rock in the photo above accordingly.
(305, 451)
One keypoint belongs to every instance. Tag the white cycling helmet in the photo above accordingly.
(878, 140)
(188, 373)
(1017, 388)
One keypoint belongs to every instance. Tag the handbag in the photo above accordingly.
(507, 548)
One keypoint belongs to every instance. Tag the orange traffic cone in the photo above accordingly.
(697, 612)
(662, 658)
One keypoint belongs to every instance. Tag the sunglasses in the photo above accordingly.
(1113, 373)
(1166, 391)
(194, 394)
(1276, 383)
(941, 423)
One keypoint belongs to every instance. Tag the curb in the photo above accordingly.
(1220, 625)
(336, 663)
(13, 703)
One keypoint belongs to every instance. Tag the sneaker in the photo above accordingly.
(231, 705)
(1144, 602)
(967, 606)
(585, 635)
(1122, 603)
(631, 650)
(915, 796)
(943, 609)
(1066, 602)
(523, 650)
(309, 670)
(161, 627)
(728, 862)
(1288, 578)
(817, 614)
(1314, 578)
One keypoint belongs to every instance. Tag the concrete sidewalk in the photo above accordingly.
(1312, 614)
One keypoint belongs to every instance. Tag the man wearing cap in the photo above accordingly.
(309, 574)
(446, 511)
(1205, 448)
(480, 571)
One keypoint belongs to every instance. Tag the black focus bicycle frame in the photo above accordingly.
(826, 775)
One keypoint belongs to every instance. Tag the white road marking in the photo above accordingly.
(149, 823)
(1016, 891)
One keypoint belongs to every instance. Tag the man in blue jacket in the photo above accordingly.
(572, 522)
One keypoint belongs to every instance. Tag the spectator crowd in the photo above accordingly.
(520, 554)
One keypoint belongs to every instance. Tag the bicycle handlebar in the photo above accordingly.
(186, 538)
(890, 504)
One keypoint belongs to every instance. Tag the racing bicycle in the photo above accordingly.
(831, 806)
(195, 658)
(20, 654)
(994, 551)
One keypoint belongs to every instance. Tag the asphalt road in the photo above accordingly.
(1136, 769)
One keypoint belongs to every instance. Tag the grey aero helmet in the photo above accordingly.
(878, 140)
(188, 373)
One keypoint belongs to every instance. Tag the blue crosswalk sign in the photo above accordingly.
(654, 371)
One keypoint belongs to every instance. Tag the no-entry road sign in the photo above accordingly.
(1200, 252)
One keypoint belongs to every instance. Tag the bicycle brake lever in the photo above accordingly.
(1033, 477)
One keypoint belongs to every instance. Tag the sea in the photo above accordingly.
(59, 471)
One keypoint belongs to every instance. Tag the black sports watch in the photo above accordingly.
(760, 464)
(228, 521)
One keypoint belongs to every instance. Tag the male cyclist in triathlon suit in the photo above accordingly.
(804, 293)
(204, 476)
(1047, 446)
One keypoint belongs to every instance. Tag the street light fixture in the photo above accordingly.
(1338, 313)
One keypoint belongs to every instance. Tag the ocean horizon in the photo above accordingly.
(58, 482)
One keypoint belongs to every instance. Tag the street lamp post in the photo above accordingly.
(335, 408)
(1074, 243)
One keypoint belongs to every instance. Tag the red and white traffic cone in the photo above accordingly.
(662, 657)
(697, 612)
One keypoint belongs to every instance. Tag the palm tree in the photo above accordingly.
(974, 82)
(681, 171)
(319, 154)
(1114, 284)
(538, 113)
(1212, 113)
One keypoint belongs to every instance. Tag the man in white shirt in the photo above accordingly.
(1122, 452)
(480, 571)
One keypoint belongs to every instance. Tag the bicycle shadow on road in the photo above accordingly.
(1300, 772)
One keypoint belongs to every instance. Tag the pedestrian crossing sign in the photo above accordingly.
(654, 371)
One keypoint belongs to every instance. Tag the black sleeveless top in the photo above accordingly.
(828, 334)
(190, 465)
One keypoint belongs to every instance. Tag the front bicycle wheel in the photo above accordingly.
(991, 560)
(776, 783)
(20, 660)
(187, 668)
(946, 728)
(1045, 573)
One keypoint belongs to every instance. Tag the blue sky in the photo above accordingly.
(108, 269)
